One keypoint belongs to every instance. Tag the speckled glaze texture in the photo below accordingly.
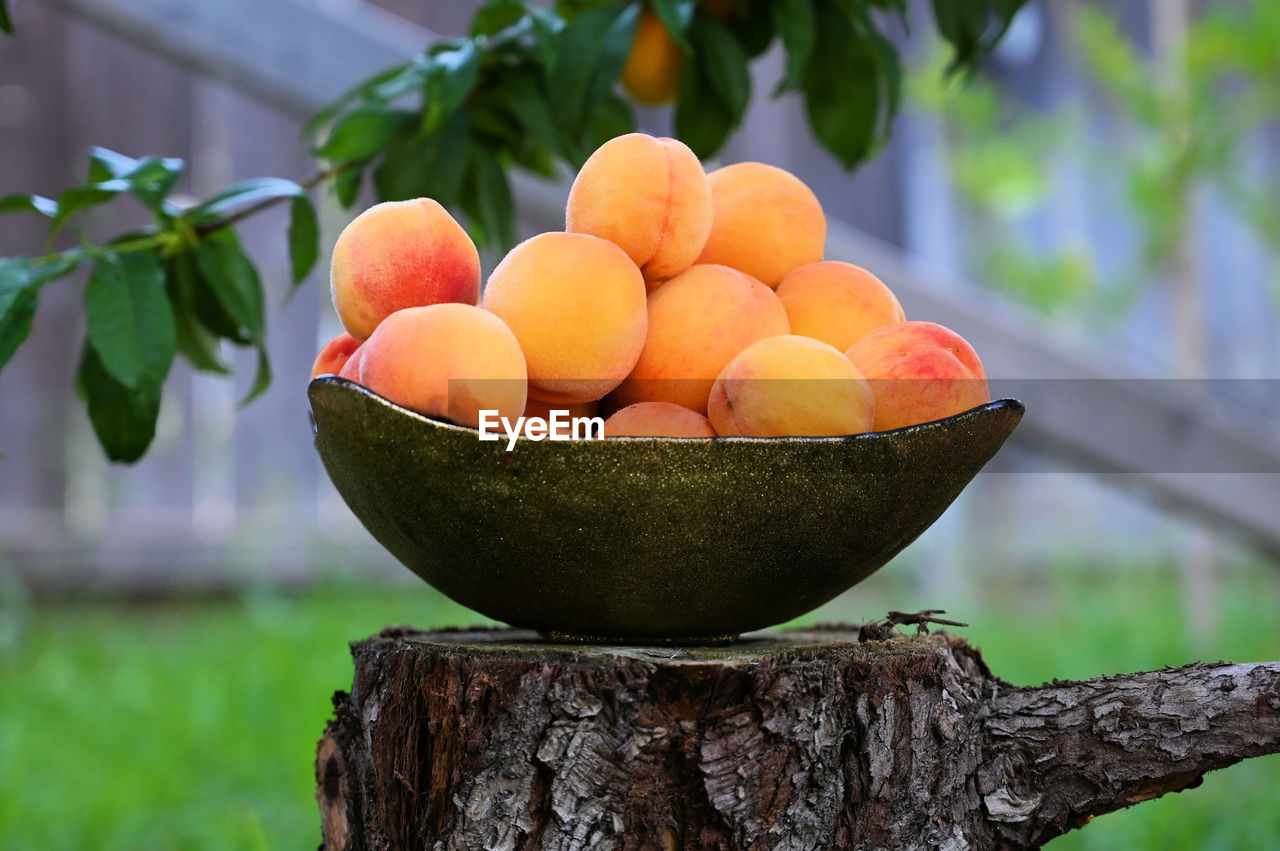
(643, 540)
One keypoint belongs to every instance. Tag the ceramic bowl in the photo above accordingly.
(643, 540)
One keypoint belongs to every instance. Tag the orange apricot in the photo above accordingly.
(449, 361)
(648, 196)
(791, 386)
(698, 321)
(837, 303)
(652, 72)
(576, 303)
(766, 223)
(657, 419)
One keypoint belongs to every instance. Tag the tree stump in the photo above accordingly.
(829, 738)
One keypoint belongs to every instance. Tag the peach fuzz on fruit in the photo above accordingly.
(449, 361)
(335, 354)
(698, 321)
(648, 196)
(766, 222)
(657, 419)
(837, 303)
(791, 386)
(576, 303)
(652, 72)
(920, 372)
(401, 254)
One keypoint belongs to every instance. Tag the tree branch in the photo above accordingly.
(1062, 753)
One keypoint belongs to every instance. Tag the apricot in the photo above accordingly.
(791, 386)
(920, 372)
(351, 369)
(576, 303)
(837, 303)
(648, 196)
(766, 222)
(652, 72)
(538, 408)
(335, 355)
(698, 321)
(449, 361)
(657, 419)
(401, 254)
(542, 410)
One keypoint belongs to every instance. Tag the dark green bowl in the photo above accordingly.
(643, 540)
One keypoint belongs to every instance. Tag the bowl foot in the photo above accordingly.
(640, 641)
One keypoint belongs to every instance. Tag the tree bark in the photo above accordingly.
(786, 740)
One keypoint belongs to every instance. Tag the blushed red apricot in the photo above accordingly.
(401, 254)
(920, 372)
(335, 355)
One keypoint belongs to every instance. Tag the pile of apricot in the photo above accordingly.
(678, 303)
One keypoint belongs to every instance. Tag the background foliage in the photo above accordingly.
(528, 88)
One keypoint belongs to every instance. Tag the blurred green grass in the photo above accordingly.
(192, 725)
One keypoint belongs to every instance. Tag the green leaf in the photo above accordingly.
(20, 284)
(195, 341)
(17, 306)
(233, 280)
(973, 27)
(751, 22)
(676, 15)
(241, 195)
(723, 63)
(425, 166)
(346, 186)
(524, 98)
(23, 203)
(702, 119)
(364, 132)
(845, 94)
(304, 230)
(304, 237)
(78, 198)
(362, 91)
(797, 25)
(150, 179)
(486, 198)
(262, 379)
(496, 15)
(131, 325)
(612, 117)
(106, 164)
(123, 418)
(451, 75)
(593, 49)
(5, 23)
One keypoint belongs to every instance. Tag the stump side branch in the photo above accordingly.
(789, 740)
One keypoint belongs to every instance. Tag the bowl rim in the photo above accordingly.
(334, 380)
